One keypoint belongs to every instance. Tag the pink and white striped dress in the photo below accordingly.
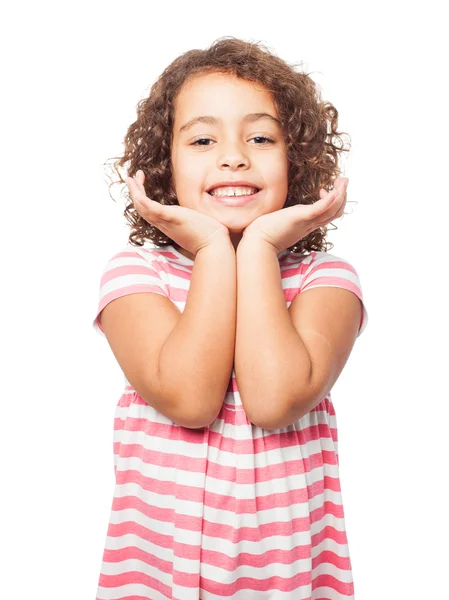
(230, 510)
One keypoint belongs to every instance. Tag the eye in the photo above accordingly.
(257, 137)
(201, 140)
(262, 137)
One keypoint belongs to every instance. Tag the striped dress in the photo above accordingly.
(230, 510)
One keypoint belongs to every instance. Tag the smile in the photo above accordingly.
(235, 200)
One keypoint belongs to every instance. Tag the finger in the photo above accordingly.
(342, 200)
(332, 203)
(337, 214)
(338, 199)
(138, 180)
(136, 189)
(141, 203)
(133, 189)
(140, 176)
(321, 208)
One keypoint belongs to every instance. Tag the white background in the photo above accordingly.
(72, 75)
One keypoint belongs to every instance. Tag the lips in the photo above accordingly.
(227, 186)
(236, 200)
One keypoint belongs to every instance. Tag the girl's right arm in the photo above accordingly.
(196, 361)
(181, 363)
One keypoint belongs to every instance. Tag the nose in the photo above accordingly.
(233, 156)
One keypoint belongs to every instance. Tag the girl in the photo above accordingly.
(231, 328)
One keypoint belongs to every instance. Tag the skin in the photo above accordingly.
(234, 149)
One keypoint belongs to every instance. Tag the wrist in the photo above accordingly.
(222, 242)
(257, 243)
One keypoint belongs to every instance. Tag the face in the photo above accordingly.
(231, 148)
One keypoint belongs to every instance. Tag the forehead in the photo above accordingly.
(225, 96)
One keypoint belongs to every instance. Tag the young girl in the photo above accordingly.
(231, 323)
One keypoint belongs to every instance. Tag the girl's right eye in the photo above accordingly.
(195, 143)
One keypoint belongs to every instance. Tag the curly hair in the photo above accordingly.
(309, 125)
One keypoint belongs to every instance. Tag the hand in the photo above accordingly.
(283, 228)
(189, 228)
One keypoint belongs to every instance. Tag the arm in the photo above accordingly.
(271, 363)
(287, 360)
(198, 355)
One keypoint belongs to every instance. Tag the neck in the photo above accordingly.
(236, 239)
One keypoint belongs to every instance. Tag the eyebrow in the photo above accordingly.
(251, 118)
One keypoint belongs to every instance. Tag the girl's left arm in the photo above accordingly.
(287, 360)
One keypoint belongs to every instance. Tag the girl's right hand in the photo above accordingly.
(190, 229)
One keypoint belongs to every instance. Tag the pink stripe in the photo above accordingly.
(111, 581)
(213, 558)
(223, 501)
(189, 580)
(122, 270)
(130, 289)
(227, 532)
(225, 473)
(335, 281)
(316, 264)
(250, 583)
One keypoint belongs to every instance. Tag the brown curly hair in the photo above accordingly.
(309, 125)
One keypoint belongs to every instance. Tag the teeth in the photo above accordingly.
(233, 191)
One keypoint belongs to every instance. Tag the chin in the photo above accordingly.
(238, 219)
(236, 226)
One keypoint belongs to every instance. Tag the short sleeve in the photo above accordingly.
(128, 272)
(326, 269)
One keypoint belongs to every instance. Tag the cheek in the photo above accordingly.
(279, 182)
(189, 174)
(276, 170)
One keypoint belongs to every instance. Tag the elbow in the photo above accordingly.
(201, 416)
(284, 414)
(279, 421)
(198, 422)
(273, 408)
(180, 407)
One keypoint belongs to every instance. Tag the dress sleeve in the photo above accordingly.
(128, 272)
(327, 269)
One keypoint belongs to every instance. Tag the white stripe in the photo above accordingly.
(302, 565)
(227, 459)
(279, 485)
(214, 515)
(228, 547)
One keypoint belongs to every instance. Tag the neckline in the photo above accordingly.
(185, 259)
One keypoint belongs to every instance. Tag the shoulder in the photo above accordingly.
(325, 264)
(159, 258)
(314, 257)
(295, 264)
(306, 264)
(131, 270)
(131, 267)
(322, 269)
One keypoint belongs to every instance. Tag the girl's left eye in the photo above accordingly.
(257, 137)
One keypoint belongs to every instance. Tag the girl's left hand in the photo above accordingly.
(283, 228)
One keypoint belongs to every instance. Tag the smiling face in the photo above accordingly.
(232, 146)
